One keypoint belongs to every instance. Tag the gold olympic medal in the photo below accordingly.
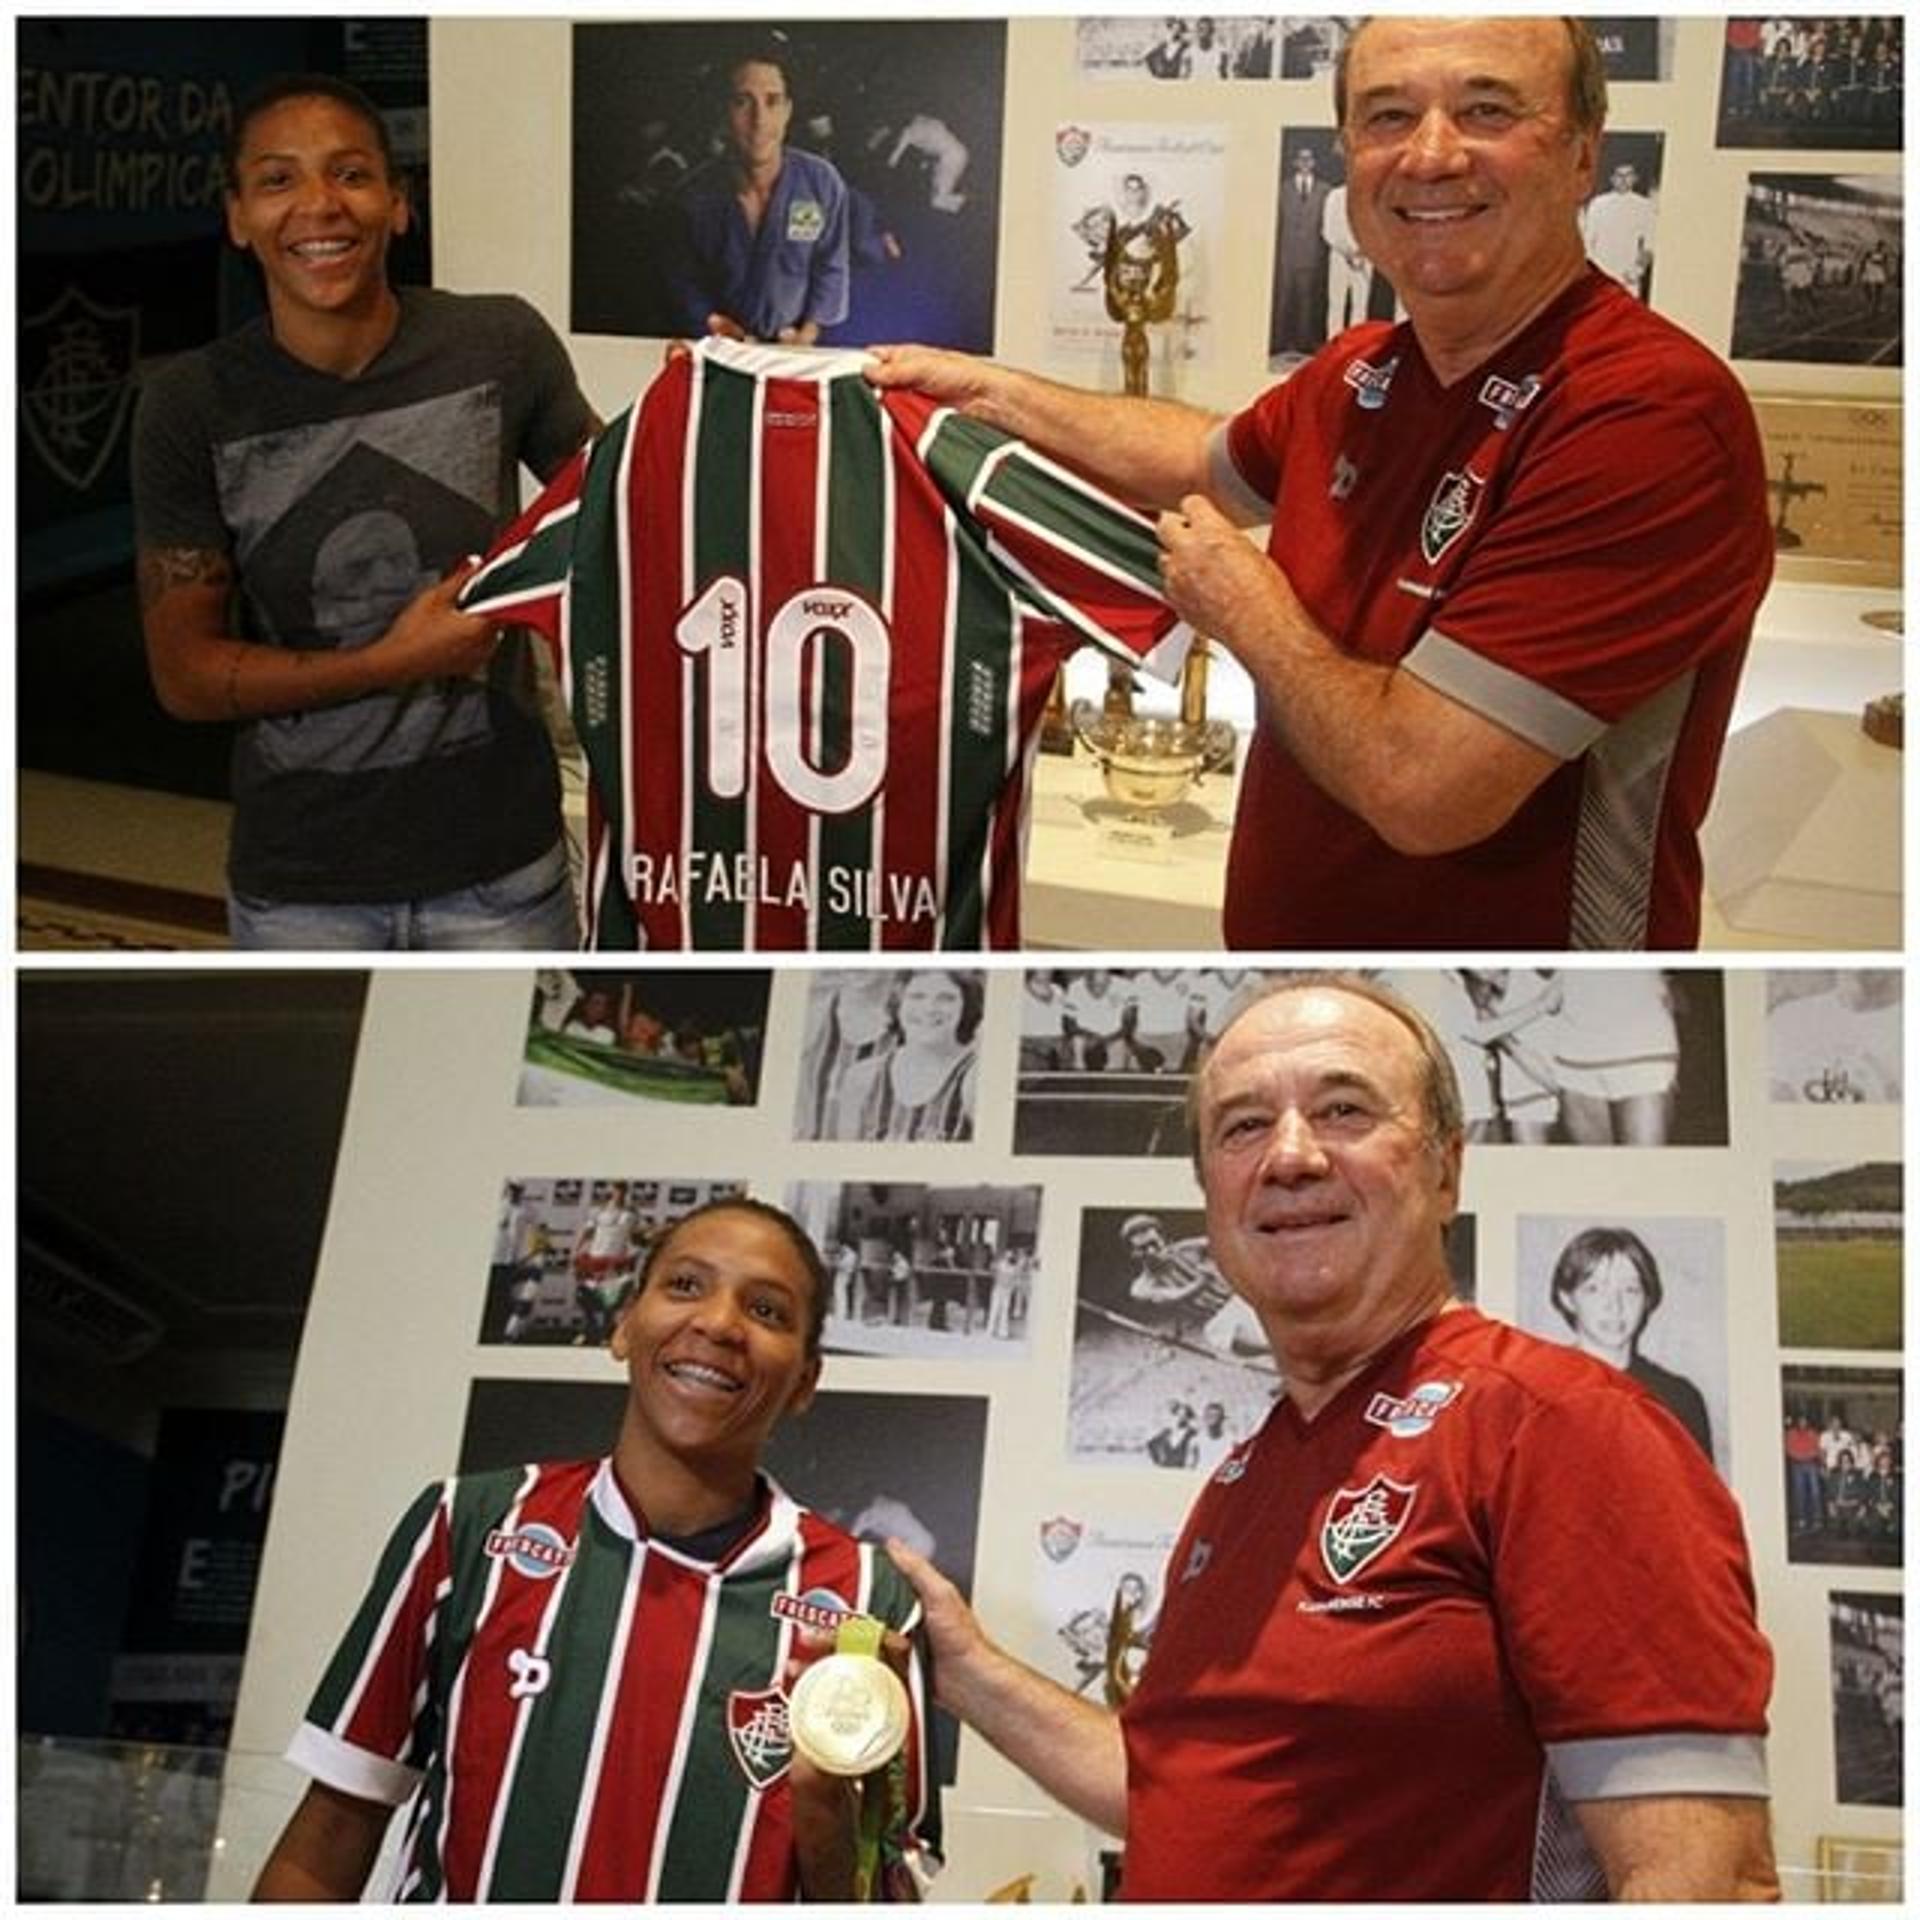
(848, 1713)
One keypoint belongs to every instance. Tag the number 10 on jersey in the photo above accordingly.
(825, 662)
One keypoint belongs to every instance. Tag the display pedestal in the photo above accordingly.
(1803, 843)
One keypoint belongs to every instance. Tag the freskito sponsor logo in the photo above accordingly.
(817, 1613)
(534, 1551)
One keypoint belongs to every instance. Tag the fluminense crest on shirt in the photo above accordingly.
(806, 220)
(757, 1731)
(1508, 398)
(534, 1551)
(1408, 1416)
(1449, 513)
(1059, 1538)
(1362, 1523)
(1369, 382)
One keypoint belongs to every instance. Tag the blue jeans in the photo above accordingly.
(529, 910)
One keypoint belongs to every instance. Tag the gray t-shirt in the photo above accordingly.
(338, 501)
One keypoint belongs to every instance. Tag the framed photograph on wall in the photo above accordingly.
(566, 1253)
(1621, 216)
(1841, 1464)
(1322, 281)
(1835, 82)
(1098, 1583)
(1145, 46)
(1838, 1251)
(1648, 1296)
(1866, 1645)
(1625, 1056)
(599, 1037)
(834, 181)
(1834, 1036)
(1820, 270)
(890, 1054)
(933, 1272)
(1870, 1872)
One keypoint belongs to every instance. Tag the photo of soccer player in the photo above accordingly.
(1820, 269)
(598, 1037)
(1813, 81)
(566, 1253)
(817, 182)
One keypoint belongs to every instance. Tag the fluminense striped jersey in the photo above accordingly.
(806, 630)
(579, 1712)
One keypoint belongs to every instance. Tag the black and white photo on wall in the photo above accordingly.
(1843, 1449)
(566, 1253)
(933, 1272)
(882, 1465)
(1827, 81)
(1866, 1643)
(1626, 1056)
(1322, 281)
(602, 1037)
(1838, 1249)
(890, 1054)
(1105, 1054)
(1648, 1296)
(1173, 46)
(1635, 46)
(1621, 216)
(1834, 1036)
(1171, 1367)
(1311, 43)
(836, 180)
(1821, 262)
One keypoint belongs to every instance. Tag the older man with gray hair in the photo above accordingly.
(1515, 545)
(1469, 1617)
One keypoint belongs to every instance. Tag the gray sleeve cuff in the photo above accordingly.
(1228, 487)
(334, 1763)
(1538, 715)
(1661, 1764)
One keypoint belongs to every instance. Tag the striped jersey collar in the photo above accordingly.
(770, 1540)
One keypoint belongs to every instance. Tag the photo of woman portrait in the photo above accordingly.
(891, 1056)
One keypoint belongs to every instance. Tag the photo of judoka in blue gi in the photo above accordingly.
(762, 249)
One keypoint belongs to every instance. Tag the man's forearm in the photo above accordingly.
(1068, 1745)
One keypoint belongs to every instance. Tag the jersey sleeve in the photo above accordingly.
(176, 502)
(1626, 1601)
(368, 1729)
(1068, 550)
(524, 577)
(1629, 546)
(1247, 456)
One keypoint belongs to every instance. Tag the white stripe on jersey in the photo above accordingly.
(690, 1708)
(815, 721)
(508, 555)
(441, 1516)
(943, 750)
(483, 1885)
(782, 1653)
(623, 573)
(689, 706)
(602, 1720)
(756, 661)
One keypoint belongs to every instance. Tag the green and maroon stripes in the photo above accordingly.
(723, 486)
